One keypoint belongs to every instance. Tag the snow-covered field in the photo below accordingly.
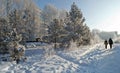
(90, 59)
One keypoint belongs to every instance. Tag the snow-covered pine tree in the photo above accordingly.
(3, 32)
(77, 30)
(85, 36)
(10, 36)
(56, 32)
(3, 35)
(48, 14)
(53, 31)
(14, 22)
(8, 32)
(29, 25)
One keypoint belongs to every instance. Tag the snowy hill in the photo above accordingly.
(90, 59)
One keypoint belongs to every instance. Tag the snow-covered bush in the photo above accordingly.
(16, 50)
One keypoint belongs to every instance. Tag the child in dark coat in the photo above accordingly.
(106, 43)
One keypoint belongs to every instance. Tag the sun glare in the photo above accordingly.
(111, 23)
(114, 23)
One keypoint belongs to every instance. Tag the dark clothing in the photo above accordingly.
(110, 42)
(110, 45)
(17, 61)
(106, 43)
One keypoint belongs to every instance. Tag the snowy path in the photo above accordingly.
(96, 59)
(110, 63)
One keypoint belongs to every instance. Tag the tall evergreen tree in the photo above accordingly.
(3, 35)
(76, 26)
(54, 31)
(29, 25)
(8, 31)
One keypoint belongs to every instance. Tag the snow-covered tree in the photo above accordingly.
(8, 32)
(28, 27)
(3, 35)
(8, 27)
(77, 30)
(17, 23)
(56, 32)
(14, 23)
(62, 14)
(53, 31)
(49, 13)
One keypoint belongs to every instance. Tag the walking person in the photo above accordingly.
(110, 42)
(106, 43)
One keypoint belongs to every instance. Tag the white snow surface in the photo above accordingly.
(89, 59)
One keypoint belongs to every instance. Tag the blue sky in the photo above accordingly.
(99, 14)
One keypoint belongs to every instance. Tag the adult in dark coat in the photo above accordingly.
(110, 42)
(106, 43)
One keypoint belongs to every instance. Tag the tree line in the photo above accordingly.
(22, 20)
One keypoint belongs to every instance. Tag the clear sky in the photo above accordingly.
(99, 14)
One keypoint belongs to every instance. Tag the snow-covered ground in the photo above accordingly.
(90, 59)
